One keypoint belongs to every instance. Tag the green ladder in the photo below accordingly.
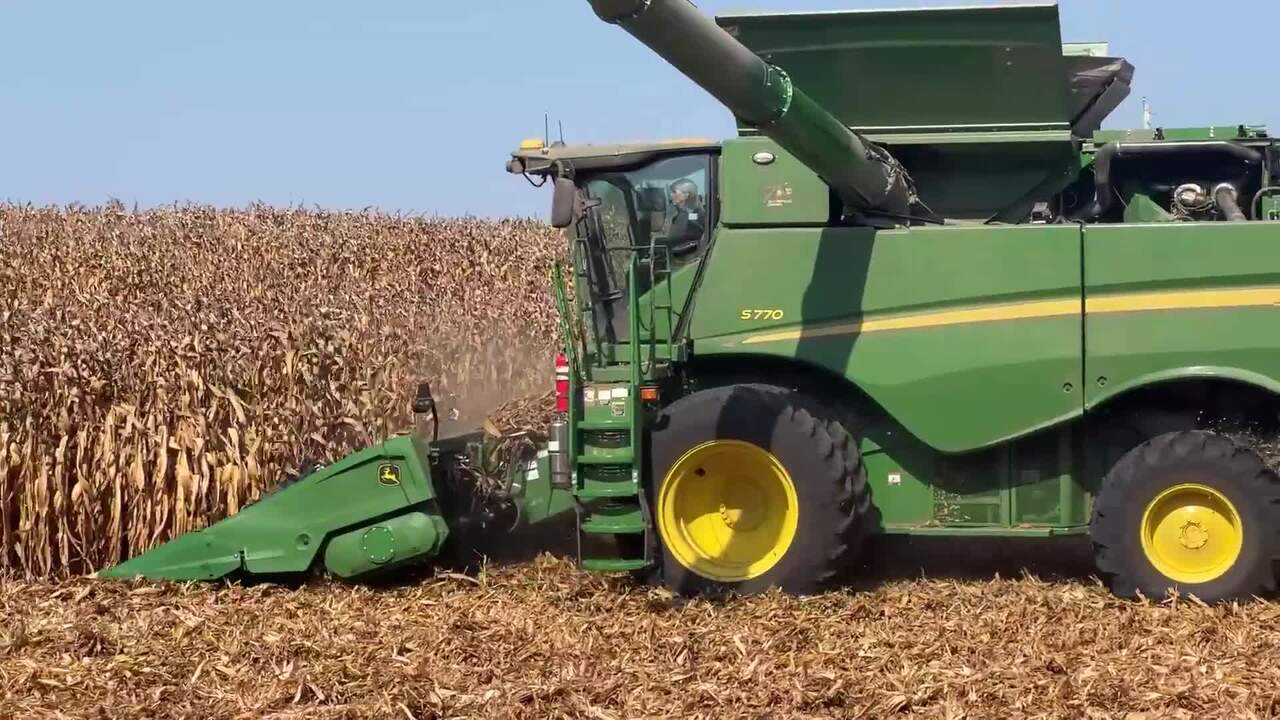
(611, 499)
(611, 502)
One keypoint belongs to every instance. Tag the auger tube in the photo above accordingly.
(865, 176)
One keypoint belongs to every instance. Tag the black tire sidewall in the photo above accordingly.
(795, 433)
(1143, 480)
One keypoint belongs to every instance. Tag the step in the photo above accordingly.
(613, 564)
(621, 456)
(615, 521)
(606, 490)
(619, 424)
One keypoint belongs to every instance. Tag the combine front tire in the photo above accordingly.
(757, 487)
(1192, 512)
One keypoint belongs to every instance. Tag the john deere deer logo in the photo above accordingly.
(777, 195)
(388, 474)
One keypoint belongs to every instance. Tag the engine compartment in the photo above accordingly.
(1197, 175)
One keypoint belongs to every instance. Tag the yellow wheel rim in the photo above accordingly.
(728, 510)
(1192, 533)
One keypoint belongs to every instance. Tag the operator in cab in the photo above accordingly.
(686, 224)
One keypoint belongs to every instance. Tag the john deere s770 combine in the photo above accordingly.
(920, 292)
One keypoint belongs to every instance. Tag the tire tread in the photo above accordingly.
(842, 469)
(1108, 532)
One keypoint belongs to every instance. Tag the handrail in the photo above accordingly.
(633, 311)
(562, 309)
(639, 331)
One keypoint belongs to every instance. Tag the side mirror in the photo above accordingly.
(562, 203)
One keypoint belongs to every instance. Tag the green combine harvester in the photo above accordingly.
(921, 292)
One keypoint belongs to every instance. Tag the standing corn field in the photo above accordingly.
(159, 369)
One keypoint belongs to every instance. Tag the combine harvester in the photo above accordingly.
(921, 292)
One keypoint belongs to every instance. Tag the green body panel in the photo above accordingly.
(998, 389)
(879, 307)
(1034, 482)
(537, 498)
(985, 399)
(903, 499)
(1146, 287)
(781, 191)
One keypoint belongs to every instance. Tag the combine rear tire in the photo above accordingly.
(756, 487)
(1192, 512)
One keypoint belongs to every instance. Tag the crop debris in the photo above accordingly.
(544, 640)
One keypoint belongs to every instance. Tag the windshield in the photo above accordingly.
(662, 205)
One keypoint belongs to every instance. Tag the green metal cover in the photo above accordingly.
(921, 68)
(774, 190)
(283, 531)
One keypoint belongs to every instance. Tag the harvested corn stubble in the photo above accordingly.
(543, 640)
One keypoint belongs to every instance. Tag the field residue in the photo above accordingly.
(542, 640)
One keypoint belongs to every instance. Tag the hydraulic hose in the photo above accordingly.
(1112, 153)
(1225, 196)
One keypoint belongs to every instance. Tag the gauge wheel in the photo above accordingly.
(757, 487)
(1188, 512)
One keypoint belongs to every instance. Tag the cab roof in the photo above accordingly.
(534, 156)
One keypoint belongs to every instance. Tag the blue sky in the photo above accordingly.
(414, 106)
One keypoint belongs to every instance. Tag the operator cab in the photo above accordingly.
(654, 200)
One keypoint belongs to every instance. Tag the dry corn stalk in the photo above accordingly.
(158, 369)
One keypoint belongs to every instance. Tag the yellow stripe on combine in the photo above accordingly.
(991, 313)
(1037, 309)
(1185, 300)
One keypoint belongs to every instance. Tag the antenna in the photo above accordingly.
(546, 130)
(561, 122)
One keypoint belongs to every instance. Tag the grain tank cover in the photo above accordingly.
(916, 70)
